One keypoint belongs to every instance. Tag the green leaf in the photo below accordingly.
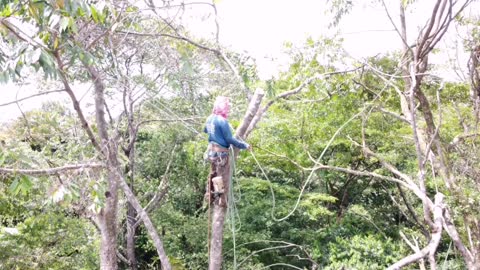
(6, 12)
(46, 61)
(95, 15)
(25, 184)
(14, 186)
(132, 9)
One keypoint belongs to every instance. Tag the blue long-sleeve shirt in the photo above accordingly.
(219, 132)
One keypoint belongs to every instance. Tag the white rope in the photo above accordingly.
(310, 176)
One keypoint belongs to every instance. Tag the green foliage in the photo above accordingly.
(342, 220)
(50, 241)
(339, 8)
(21, 184)
(363, 252)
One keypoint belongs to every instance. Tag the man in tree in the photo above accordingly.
(220, 138)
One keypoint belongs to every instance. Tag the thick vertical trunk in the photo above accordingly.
(130, 152)
(131, 230)
(216, 244)
(108, 215)
(110, 150)
(108, 229)
(219, 210)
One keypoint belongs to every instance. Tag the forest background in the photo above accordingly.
(359, 162)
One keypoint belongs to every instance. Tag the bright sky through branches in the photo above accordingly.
(261, 27)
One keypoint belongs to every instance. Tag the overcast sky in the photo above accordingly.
(261, 27)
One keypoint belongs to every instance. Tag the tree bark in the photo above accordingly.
(131, 231)
(130, 152)
(219, 209)
(431, 248)
(216, 244)
(107, 218)
(157, 242)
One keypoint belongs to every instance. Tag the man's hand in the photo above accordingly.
(249, 148)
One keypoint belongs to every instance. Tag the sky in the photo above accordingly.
(261, 27)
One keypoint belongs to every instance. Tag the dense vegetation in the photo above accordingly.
(345, 168)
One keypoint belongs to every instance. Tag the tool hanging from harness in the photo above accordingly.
(218, 157)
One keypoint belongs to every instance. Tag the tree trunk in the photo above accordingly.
(107, 218)
(107, 221)
(110, 151)
(131, 231)
(130, 152)
(219, 209)
(157, 242)
(216, 244)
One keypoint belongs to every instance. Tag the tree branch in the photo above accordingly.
(250, 114)
(395, 115)
(50, 171)
(76, 104)
(431, 248)
(414, 248)
(32, 96)
(259, 114)
(450, 228)
(160, 194)
(411, 185)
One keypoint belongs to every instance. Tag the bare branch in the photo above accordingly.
(250, 114)
(402, 36)
(450, 228)
(411, 185)
(460, 138)
(437, 129)
(50, 171)
(259, 114)
(122, 258)
(411, 211)
(188, 40)
(76, 104)
(361, 173)
(161, 193)
(17, 31)
(395, 115)
(428, 27)
(414, 248)
(32, 96)
(219, 53)
(282, 264)
(144, 122)
(431, 248)
(146, 220)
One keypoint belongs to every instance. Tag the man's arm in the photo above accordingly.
(227, 135)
